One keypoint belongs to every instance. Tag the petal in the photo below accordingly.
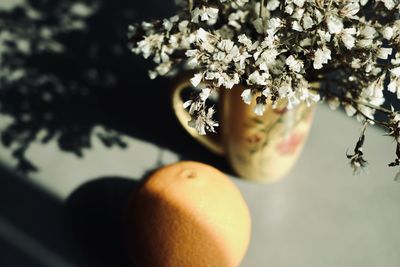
(196, 79)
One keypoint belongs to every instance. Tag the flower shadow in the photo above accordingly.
(67, 70)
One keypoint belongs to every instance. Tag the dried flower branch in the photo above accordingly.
(357, 160)
(279, 49)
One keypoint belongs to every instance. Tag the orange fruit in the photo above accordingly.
(188, 214)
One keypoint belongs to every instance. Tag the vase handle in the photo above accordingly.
(212, 142)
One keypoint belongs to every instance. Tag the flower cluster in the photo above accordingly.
(279, 50)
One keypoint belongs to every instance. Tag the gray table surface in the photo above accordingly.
(320, 215)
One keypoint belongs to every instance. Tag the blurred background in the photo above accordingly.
(81, 124)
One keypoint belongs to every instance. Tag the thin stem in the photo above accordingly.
(381, 109)
(384, 110)
(190, 5)
(261, 8)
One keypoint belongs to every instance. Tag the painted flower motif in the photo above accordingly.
(280, 111)
(254, 139)
(291, 144)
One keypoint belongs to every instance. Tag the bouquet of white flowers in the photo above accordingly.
(280, 50)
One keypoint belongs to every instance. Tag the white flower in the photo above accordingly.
(325, 36)
(366, 112)
(299, 3)
(395, 72)
(356, 63)
(375, 89)
(350, 110)
(333, 103)
(307, 21)
(266, 92)
(209, 120)
(298, 14)
(274, 24)
(293, 101)
(285, 87)
(305, 94)
(389, 4)
(384, 53)
(202, 35)
(153, 74)
(259, 109)
(295, 65)
(296, 26)
(257, 78)
(225, 45)
(289, 9)
(236, 19)
(350, 10)
(197, 78)
(321, 57)
(294, 36)
(205, 14)
(368, 32)
(187, 104)
(319, 15)
(204, 121)
(169, 23)
(388, 32)
(193, 62)
(394, 85)
(163, 68)
(335, 24)
(266, 58)
(230, 82)
(241, 59)
(306, 42)
(205, 93)
(243, 39)
(194, 106)
(273, 4)
(247, 96)
(347, 37)
(183, 25)
(199, 125)
(269, 40)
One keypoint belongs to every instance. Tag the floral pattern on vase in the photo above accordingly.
(264, 148)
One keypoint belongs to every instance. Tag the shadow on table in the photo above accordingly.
(33, 227)
(97, 213)
(37, 229)
(68, 69)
